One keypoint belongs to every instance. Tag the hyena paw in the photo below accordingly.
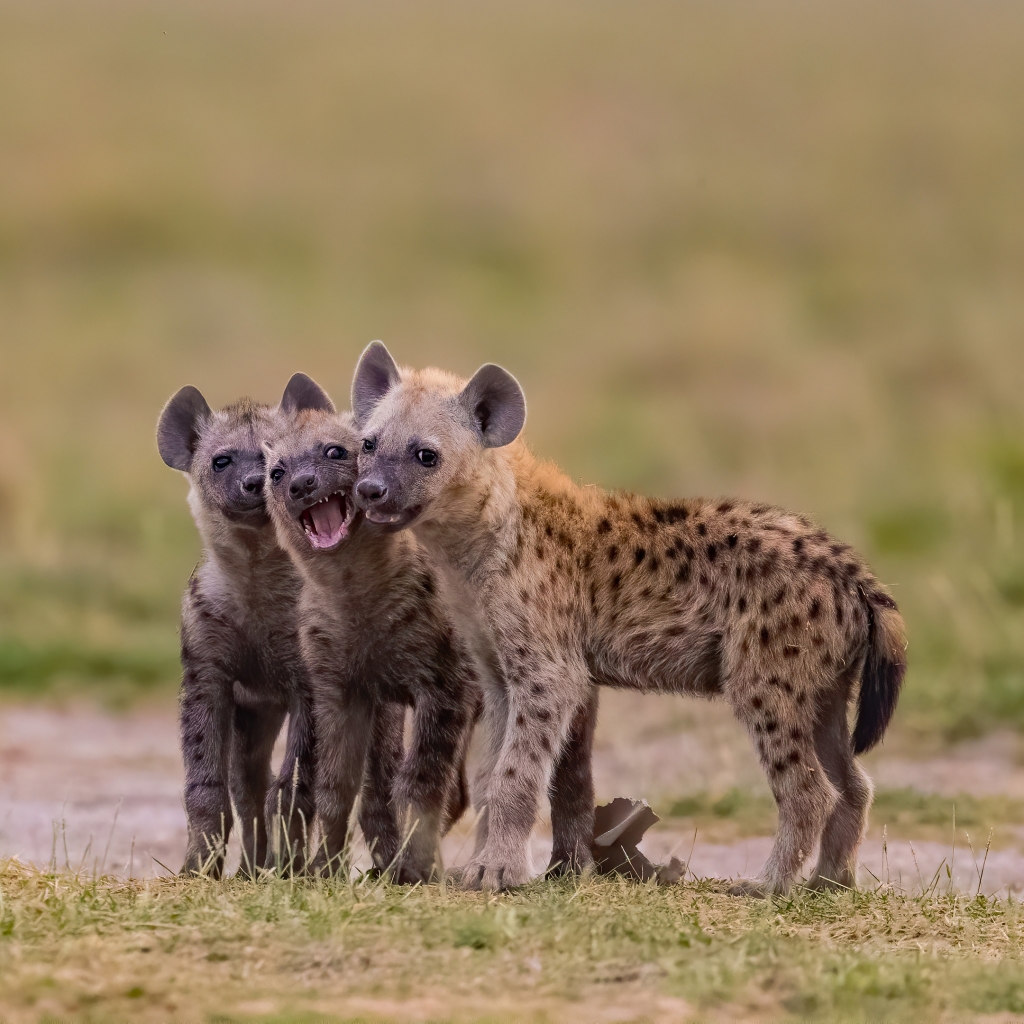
(577, 863)
(411, 872)
(754, 887)
(842, 880)
(488, 876)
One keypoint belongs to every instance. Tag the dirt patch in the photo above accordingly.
(103, 792)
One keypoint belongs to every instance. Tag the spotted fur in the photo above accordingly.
(716, 598)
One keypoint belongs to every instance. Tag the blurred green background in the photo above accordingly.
(774, 250)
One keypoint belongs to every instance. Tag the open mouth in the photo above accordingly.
(396, 520)
(326, 523)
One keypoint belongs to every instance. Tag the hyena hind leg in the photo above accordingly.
(844, 829)
(252, 744)
(804, 794)
(571, 793)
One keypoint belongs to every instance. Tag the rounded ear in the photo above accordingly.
(376, 374)
(497, 404)
(178, 429)
(303, 392)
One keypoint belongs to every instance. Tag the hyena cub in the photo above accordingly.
(715, 598)
(243, 671)
(375, 634)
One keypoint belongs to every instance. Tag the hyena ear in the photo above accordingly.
(376, 374)
(177, 432)
(304, 393)
(497, 404)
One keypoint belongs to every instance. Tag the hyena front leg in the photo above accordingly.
(493, 720)
(290, 807)
(205, 721)
(252, 743)
(344, 722)
(383, 759)
(540, 710)
(571, 793)
(427, 778)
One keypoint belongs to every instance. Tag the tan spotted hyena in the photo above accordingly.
(722, 599)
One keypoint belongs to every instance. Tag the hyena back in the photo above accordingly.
(375, 633)
(242, 667)
(725, 599)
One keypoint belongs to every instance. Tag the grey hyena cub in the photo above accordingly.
(242, 668)
(375, 633)
(717, 598)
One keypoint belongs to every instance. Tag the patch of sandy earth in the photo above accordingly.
(65, 774)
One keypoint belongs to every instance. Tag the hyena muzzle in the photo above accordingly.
(726, 599)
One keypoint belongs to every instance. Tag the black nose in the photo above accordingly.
(371, 490)
(302, 485)
(253, 483)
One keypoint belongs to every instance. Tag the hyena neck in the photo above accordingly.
(248, 558)
(475, 530)
(365, 557)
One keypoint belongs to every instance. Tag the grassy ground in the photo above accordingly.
(105, 949)
(773, 252)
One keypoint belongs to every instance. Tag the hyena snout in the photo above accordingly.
(302, 485)
(371, 491)
(252, 484)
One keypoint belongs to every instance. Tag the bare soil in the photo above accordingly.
(101, 791)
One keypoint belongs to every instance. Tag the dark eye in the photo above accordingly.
(427, 457)
(369, 445)
(276, 473)
(221, 462)
(335, 451)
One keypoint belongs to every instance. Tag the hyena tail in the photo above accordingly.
(884, 668)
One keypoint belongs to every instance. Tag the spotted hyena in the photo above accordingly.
(727, 599)
(375, 632)
(242, 667)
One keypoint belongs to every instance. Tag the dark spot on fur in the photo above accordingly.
(640, 554)
(798, 545)
(520, 720)
(790, 651)
(754, 544)
(672, 552)
(795, 622)
(815, 610)
(542, 714)
(726, 506)
(683, 573)
(839, 613)
(795, 734)
(604, 526)
(613, 553)
(741, 605)
(712, 552)
(616, 581)
(510, 772)
(787, 686)
(801, 697)
(676, 513)
(794, 757)
(773, 680)
(537, 689)
(780, 767)
(702, 529)
(765, 636)
(704, 581)
(756, 703)
(654, 564)
(547, 530)
(659, 516)
(540, 551)
(770, 725)
(638, 519)
(733, 539)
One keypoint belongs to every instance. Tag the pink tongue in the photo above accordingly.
(328, 516)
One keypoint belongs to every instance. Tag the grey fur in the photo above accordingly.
(376, 635)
